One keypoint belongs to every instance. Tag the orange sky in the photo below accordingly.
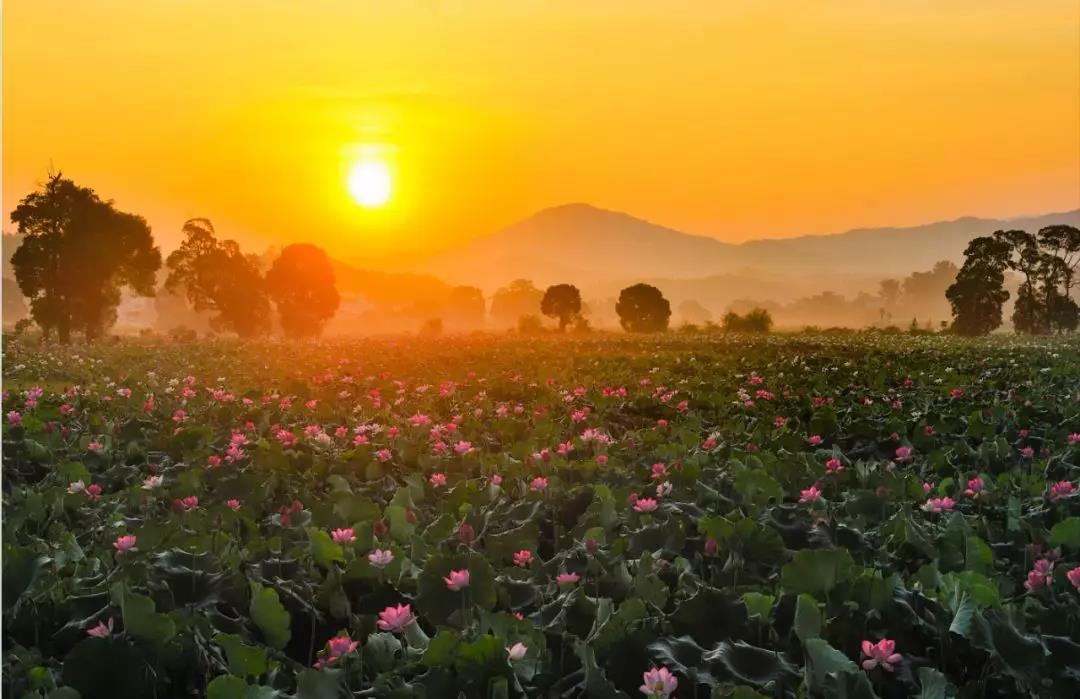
(732, 118)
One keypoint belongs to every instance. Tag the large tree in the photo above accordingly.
(562, 301)
(216, 276)
(979, 291)
(512, 302)
(642, 308)
(78, 252)
(301, 284)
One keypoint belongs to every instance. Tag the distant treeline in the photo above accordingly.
(76, 257)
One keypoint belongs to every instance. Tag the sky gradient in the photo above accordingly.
(734, 119)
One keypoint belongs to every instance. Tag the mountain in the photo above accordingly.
(595, 248)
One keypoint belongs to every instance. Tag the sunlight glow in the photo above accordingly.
(370, 183)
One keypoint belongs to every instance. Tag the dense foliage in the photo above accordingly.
(601, 516)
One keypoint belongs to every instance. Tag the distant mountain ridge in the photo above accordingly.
(586, 245)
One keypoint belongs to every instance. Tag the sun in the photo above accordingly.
(370, 183)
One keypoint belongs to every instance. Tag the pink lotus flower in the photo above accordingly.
(1040, 575)
(191, 502)
(939, 505)
(834, 466)
(93, 491)
(658, 683)
(810, 495)
(341, 645)
(903, 454)
(437, 480)
(76, 487)
(975, 487)
(343, 536)
(496, 479)
(645, 505)
(380, 558)
(124, 543)
(517, 651)
(152, 482)
(523, 558)
(383, 455)
(463, 448)
(882, 653)
(1074, 577)
(567, 578)
(815, 440)
(395, 618)
(233, 504)
(1062, 490)
(539, 484)
(458, 580)
(14, 418)
(711, 547)
(102, 630)
(1073, 438)
(601, 459)
(1027, 452)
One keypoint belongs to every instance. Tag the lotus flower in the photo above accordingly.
(658, 683)
(101, 630)
(395, 618)
(1040, 575)
(152, 482)
(645, 505)
(380, 558)
(457, 580)
(1074, 577)
(517, 651)
(523, 558)
(810, 495)
(233, 504)
(124, 543)
(882, 653)
(438, 480)
(567, 578)
(834, 466)
(341, 645)
(1061, 490)
(76, 487)
(939, 505)
(343, 536)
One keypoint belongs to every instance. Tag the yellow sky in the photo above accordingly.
(732, 118)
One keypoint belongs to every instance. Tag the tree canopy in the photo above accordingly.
(561, 301)
(301, 284)
(642, 308)
(216, 276)
(78, 251)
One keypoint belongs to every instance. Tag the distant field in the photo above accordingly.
(843, 516)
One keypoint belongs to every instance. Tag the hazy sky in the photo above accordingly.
(731, 118)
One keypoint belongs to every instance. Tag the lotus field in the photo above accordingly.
(685, 515)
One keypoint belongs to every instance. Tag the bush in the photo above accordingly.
(757, 320)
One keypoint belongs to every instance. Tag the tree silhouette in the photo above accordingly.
(512, 302)
(562, 301)
(464, 307)
(979, 291)
(218, 277)
(77, 252)
(642, 308)
(757, 320)
(301, 284)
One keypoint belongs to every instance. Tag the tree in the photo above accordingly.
(757, 320)
(301, 284)
(979, 292)
(77, 252)
(562, 301)
(1047, 261)
(216, 276)
(889, 292)
(464, 307)
(518, 299)
(642, 308)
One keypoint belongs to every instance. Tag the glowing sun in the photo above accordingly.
(370, 183)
